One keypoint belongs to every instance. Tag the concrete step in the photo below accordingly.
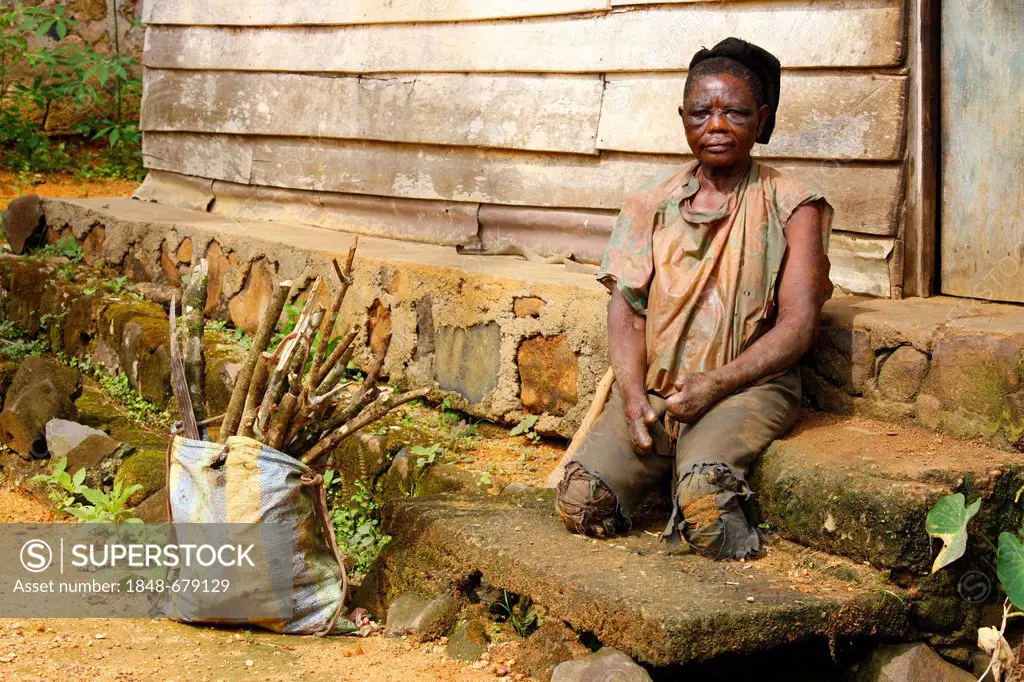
(861, 488)
(659, 609)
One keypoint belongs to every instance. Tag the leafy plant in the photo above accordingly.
(69, 247)
(118, 285)
(62, 488)
(519, 612)
(526, 428)
(425, 456)
(15, 344)
(357, 527)
(103, 88)
(65, 491)
(947, 521)
(106, 507)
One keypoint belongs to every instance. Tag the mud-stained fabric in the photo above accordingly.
(705, 279)
(732, 433)
(587, 506)
(708, 515)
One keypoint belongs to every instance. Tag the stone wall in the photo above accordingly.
(502, 338)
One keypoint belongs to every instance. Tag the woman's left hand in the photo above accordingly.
(695, 393)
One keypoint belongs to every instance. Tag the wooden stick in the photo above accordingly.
(257, 387)
(366, 394)
(268, 322)
(179, 384)
(276, 386)
(280, 421)
(345, 281)
(380, 409)
(193, 307)
(327, 368)
(601, 394)
(369, 382)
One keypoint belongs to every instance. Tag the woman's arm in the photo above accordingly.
(627, 346)
(803, 288)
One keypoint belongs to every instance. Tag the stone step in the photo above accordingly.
(861, 488)
(628, 592)
(952, 365)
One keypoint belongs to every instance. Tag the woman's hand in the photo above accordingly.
(695, 393)
(640, 417)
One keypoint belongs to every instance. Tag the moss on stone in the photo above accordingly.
(146, 468)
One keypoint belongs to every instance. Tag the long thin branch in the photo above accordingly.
(277, 385)
(268, 322)
(193, 310)
(179, 385)
(345, 281)
(253, 400)
(378, 410)
(329, 368)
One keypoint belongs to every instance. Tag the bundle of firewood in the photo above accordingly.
(296, 397)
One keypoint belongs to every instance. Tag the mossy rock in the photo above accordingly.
(148, 469)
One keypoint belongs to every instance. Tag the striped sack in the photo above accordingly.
(246, 482)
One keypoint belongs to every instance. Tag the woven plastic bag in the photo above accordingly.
(245, 482)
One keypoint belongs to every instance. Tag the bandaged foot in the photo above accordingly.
(587, 506)
(708, 514)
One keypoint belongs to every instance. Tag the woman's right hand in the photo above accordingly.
(640, 417)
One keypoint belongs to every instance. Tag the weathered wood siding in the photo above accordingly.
(983, 151)
(536, 116)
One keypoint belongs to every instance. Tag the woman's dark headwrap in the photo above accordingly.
(762, 63)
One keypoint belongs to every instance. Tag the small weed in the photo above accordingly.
(52, 320)
(485, 478)
(69, 247)
(526, 428)
(118, 285)
(66, 491)
(357, 526)
(425, 456)
(519, 612)
(137, 408)
(15, 344)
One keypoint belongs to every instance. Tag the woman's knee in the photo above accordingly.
(587, 506)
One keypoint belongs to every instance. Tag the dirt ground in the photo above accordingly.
(13, 185)
(126, 650)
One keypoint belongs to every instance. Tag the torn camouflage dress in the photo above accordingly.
(706, 283)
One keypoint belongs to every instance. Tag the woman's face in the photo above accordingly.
(722, 120)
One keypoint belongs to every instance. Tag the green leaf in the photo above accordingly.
(79, 477)
(947, 520)
(97, 497)
(1010, 567)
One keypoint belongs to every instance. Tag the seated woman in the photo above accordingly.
(718, 271)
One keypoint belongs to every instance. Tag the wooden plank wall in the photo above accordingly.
(559, 105)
